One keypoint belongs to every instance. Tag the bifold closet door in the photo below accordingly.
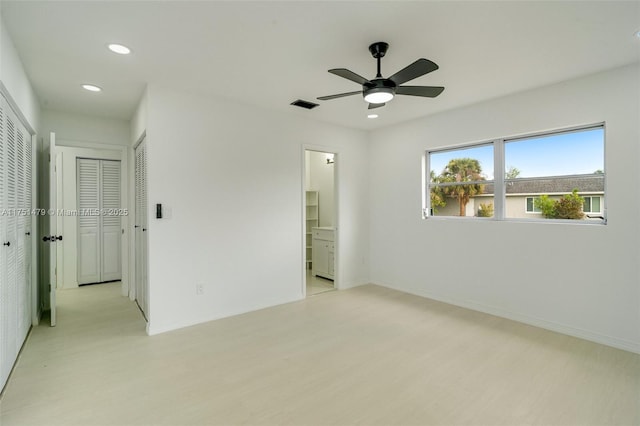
(88, 174)
(111, 229)
(99, 230)
(5, 355)
(141, 228)
(15, 237)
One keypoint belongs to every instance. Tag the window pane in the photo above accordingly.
(530, 204)
(595, 204)
(570, 153)
(448, 169)
(551, 167)
(445, 202)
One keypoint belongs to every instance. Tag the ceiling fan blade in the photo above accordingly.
(349, 75)
(420, 67)
(340, 95)
(372, 106)
(426, 91)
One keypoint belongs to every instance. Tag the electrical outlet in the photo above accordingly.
(199, 289)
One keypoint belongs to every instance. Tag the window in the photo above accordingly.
(461, 182)
(558, 175)
(591, 204)
(531, 205)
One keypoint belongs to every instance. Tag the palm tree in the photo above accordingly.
(437, 193)
(462, 170)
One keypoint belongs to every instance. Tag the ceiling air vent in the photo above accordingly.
(304, 104)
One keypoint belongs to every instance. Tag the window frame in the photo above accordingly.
(533, 201)
(591, 197)
(499, 178)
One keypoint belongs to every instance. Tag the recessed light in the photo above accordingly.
(119, 48)
(372, 116)
(91, 87)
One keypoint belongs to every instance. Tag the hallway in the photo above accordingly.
(69, 367)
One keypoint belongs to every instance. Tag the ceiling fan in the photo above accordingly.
(381, 90)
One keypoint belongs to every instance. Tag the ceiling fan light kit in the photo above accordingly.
(380, 90)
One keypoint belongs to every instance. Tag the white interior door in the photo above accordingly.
(88, 172)
(15, 236)
(99, 234)
(4, 317)
(24, 314)
(141, 229)
(110, 227)
(52, 238)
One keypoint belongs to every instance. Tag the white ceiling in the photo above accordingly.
(270, 53)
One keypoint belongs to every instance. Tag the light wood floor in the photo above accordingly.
(317, 284)
(366, 356)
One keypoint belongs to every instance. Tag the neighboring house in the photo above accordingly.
(521, 193)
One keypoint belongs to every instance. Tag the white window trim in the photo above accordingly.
(527, 205)
(591, 203)
(499, 178)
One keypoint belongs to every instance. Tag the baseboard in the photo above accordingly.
(163, 328)
(614, 342)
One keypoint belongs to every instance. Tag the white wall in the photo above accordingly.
(577, 279)
(16, 82)
(231, 178)
(79, 129)
(321, 179)
(139, 120)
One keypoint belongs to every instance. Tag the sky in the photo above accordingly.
(570, 153)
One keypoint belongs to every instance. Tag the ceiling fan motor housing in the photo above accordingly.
(378, 85)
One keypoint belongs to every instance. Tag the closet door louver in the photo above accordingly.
(88, 221)
(141, 228)
(15, 230)
(28, 205)
(111, 228)
(21, 220)
(99, 227)
(5, 361)
(11, 219)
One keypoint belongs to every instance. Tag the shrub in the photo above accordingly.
(570, 206)
(485, 210)
(567, 207)
(546, 205)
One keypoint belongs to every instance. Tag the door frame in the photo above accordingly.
(336, 212)
(126, 221)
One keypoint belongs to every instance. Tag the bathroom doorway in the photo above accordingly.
(320, 222)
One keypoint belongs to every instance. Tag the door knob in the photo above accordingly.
(59, 238)
(45, 238)
(8, 243)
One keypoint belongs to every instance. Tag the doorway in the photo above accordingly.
(320, 222)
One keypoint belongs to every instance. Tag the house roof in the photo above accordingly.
(553, 185)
